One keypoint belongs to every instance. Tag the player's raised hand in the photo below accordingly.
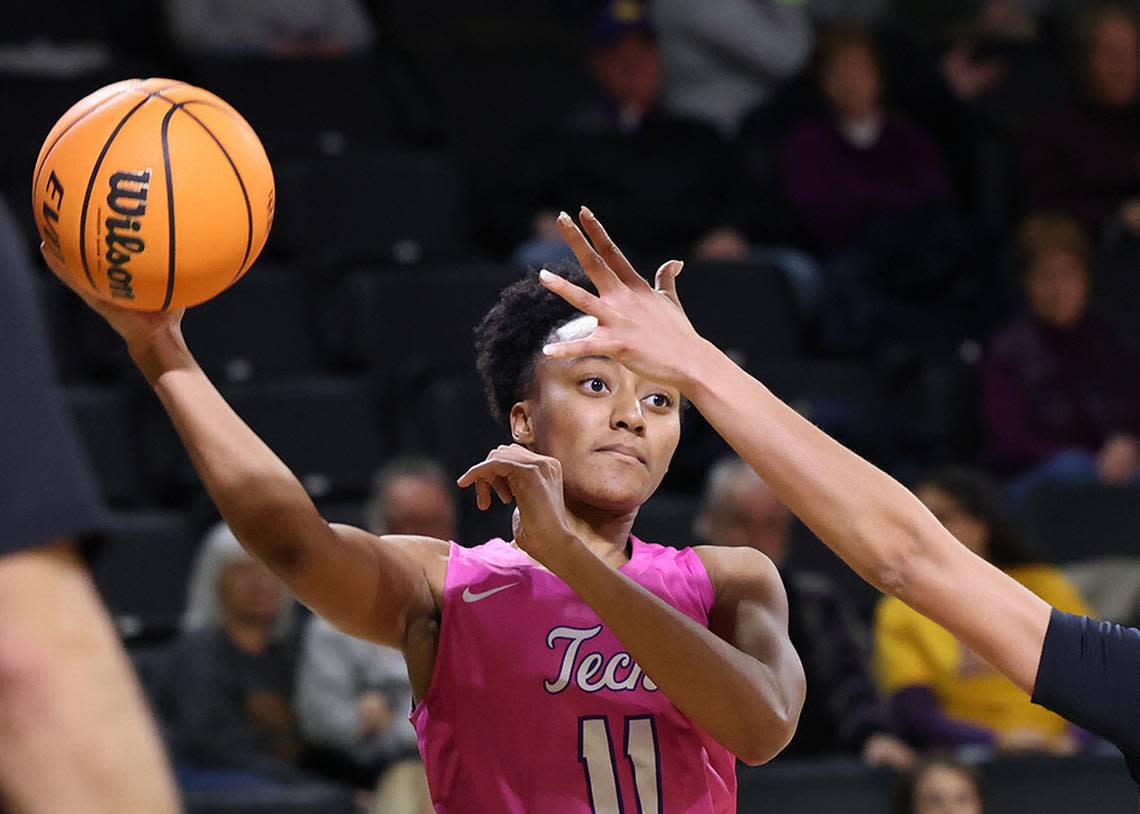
(642, 326)
(535, 483)
(137, 328)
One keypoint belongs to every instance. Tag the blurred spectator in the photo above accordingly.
(1061, 395)
(942, 694)
(871, 193)
(1084, 158)
(225, 697)
(843, 712)
(862, 163)
(353, 696)
(724, 57)
(270, 28)
(939, 786)
(661, 181)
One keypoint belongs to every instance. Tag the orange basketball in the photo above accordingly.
(155, 194)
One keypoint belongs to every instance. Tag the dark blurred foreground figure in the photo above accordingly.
(843, 712)
(1061, 392)
(75, 734)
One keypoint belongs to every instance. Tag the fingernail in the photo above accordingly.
(548, 350)
(586, 211)
(545, 276)
(563, 217)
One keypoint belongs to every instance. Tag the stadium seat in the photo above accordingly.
(263, 325)
(301, 106)
(410, 319)
(1070, 523)
(326, 430)
(142, 567)
(444, 414)
(746, 310)
(381, 205)
(106, 420)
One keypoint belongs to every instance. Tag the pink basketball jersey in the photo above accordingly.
(535, 707)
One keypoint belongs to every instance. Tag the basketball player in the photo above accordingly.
(74, 731)
(572, 669)
(1085, 671)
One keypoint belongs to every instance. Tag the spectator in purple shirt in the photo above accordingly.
(872, 196)
(1061, 395)
(862, 162)
(1083, 159)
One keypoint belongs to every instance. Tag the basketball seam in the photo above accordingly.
(84, 115)
(91, 186)
(169, 204)
(241, 184)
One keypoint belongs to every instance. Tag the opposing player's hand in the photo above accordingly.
(642, 326)
(542, 526)
(137, 328)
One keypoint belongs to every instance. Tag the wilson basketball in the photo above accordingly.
(154, 193)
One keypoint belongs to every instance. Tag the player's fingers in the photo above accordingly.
(482, 495)
(665, 280)
(577, 296)
(609, 250)
(503, 490)
(592, 263)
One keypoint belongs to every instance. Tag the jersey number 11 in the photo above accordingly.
(596, 754)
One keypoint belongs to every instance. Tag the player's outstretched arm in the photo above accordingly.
(860, 512)
(367, 586)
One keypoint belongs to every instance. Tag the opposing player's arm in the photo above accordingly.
(871, 521)
(365, 585)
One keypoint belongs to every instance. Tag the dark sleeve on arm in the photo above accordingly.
(46, 489)
(1090, 674)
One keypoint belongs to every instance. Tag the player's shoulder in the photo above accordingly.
(739, 568)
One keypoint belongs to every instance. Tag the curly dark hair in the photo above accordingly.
(510, 337)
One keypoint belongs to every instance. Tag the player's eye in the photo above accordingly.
(596, 384)
(660, 401)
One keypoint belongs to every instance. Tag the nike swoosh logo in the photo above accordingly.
(468, 596)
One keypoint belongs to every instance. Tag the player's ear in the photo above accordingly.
(522, 424)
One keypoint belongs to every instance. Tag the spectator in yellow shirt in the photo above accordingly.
(942, 694)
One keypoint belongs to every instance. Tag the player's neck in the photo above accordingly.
(606, 533)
